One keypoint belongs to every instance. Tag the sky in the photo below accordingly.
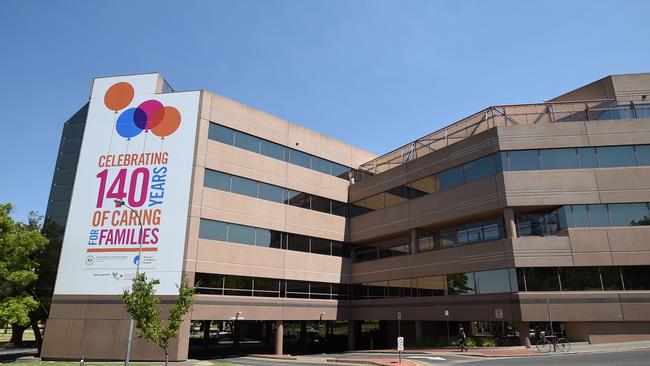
(377, 74)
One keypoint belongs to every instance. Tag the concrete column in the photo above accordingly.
(413, 242)
(279, 337)
(511, 226)
(524, 334)
(351, 334)
(206, 333)
(418, 331)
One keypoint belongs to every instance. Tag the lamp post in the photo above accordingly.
(120, 203)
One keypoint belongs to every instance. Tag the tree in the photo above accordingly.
(20, 246)
(142, 303)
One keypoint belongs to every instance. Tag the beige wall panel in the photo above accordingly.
(587, 240)
(314, 223)
(550, 187)
(243, 210)
(625, 240)
(571, 306)
(378, 183)
(63, 340)
(619, 185)
(245, 163)
(473, 257)
(196, 190)
(314, 267)
(383, 269)
(635, 305)
(391, 221)
(592, 259)
(311, 181)
(537, 251)
(631, 258)
(208, 307)
(542, 136)
(624, 132)
(239, 259)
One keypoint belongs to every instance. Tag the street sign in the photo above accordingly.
(399, 315)
(400, 343)
(446, 313)
(498, 313)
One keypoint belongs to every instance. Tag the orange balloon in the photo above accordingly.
(118, 96)
(169, 123)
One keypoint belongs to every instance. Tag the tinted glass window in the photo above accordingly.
(523, 160)
(321, 246)
(262, 237)
(492, 229)
(213, 230)
(581, 216)
(565, 217)
(320, 290)
(271, 192)
(339, 208)
(241, 234)
(541, 279)
(273, 150)
(611, 278)
(299, 200)
(221, 134)
(208, 280)
(587, 157)
(238, 286)
(626, 214)
(216, 180)
(643, 154)
(430, 286)
(599, 215)
(480, 168)
(266, 287)
(614, 156)
(299, 158)
(320, 204)
(559, 159)
(244, 186)
(297, 289)
(636, 277)
(247, 142)
(492, 282)
(580, 279)
(450, 178)
(461, 284)
(423, 186)
(320, 165)
(340, 170)
(299, 243)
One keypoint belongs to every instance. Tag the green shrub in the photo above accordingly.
(470, 342)
(488, 342)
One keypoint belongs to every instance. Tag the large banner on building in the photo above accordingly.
(137, 148)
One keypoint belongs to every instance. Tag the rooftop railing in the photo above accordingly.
(505, 115)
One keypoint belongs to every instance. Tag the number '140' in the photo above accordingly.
(135, 196)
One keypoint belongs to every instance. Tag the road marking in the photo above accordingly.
(429, 358)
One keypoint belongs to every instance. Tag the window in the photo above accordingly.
(581, 216)
(321, 246)
(636, 277)
(320, 204)
(611, 278)
(221, 134)
(297, 289)
(319, 290)
(587, 157)
(216, 180)
(480, 168)
(340, 249)
(244, 186)
(241, 234)
(298, 242)
(340, 171)
(626, 214)
(299, 199)
(493, 282)
(320, 165)
(580, 279)
(461, 284)
(524, 160)
(450, 178)
(266, 287)
(539, 279)
(616, 156)
(559, 159)
(273, 150)
(598, 215)
(213, 230)
(262, 237)
(271, 193)
(339, 208)
(430, 286)
(238, 286)
(247, 142)
(299, 158)
(422, 187)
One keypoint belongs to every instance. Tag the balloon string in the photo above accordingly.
(162, 141)
(144, 145)
(127, 145)
(110, 142)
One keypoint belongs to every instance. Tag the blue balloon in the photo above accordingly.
(126, 124)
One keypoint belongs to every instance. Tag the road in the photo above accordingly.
(624, 358)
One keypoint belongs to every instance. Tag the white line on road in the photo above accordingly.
(428, 358)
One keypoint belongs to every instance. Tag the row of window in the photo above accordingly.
(623, 278)
(242, 234)
(270, 192)
(384, 249)
(217, 284)
(519, 160)
(507, 280)
(271, 149)
(483, 282)
(599, 215)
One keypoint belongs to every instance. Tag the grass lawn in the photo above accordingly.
(28, 335)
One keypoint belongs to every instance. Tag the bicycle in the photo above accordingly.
(554, 342)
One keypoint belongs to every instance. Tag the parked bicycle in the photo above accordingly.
(553, 342)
